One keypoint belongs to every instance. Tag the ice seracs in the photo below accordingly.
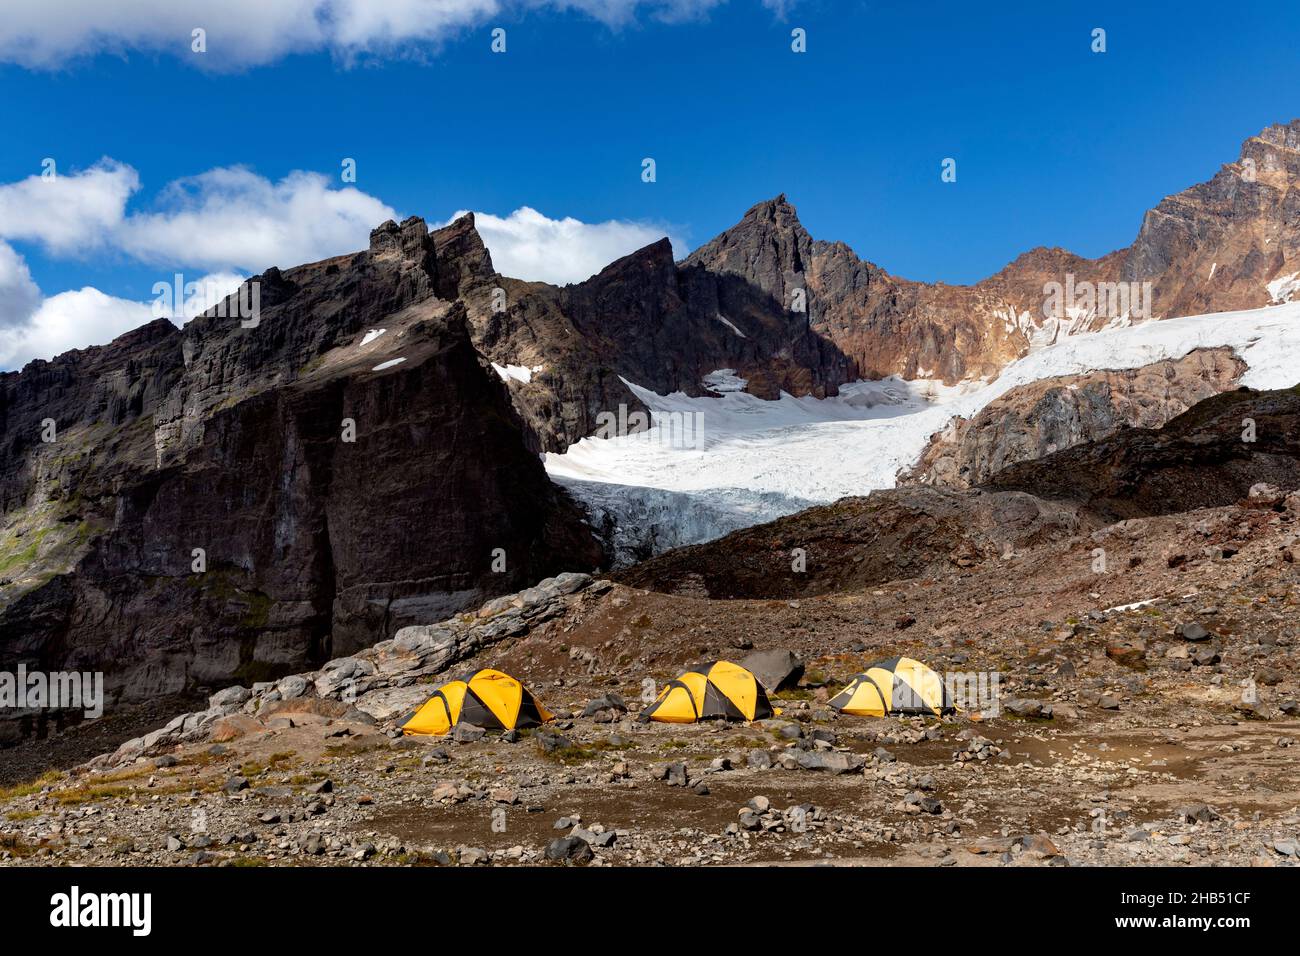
(724, 380)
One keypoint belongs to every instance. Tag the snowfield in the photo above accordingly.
(760, 459)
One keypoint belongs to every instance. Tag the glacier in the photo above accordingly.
(762, 459)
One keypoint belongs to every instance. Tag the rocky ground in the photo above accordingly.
(1148, 715)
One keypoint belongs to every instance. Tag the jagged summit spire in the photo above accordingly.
(778, 210)
(766, 247)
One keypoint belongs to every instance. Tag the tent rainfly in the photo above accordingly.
(896, 686)
(488, 699)
(718, 691)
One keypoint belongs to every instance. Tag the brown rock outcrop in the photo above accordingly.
(1052, 414)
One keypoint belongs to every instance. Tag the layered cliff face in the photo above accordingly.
(231, 502)
(1230, 243)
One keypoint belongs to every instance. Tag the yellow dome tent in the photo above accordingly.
(899, 685)
(488, 699)
(719, 691)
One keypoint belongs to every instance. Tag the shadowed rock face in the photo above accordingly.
(1035, 420)
(652, 322)
(1198, 460)
(857, 543)
(232, 440)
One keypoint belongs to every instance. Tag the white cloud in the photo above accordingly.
(528, 245)
(208, 291)
(69, 320)
(242, 33)
(19, 295)
(68, 213)
(228, 218)
(232, 218)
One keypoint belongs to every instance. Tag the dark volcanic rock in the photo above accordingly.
(1198, 460)
(235, 441)
(894, 534)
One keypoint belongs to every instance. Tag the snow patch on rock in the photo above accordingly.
(1283, 288)
(520, 373)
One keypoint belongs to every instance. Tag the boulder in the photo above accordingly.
(605, 709)
(293, 686)
(1193, 631)
(830, 761)
(569, 850)
(230, 699)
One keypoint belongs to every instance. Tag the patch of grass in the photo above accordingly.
(17, 559)
(305, 779)
(15, 845)
(47, 779)
(573, 753)
(282, 760)
(17, 816)
(247, 861)
(129, 773)
(795, 693)
(79, 795)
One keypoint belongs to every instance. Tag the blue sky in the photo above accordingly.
(1054, 144)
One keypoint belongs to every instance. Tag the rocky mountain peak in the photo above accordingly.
(1281, 135)
(1222, 244)
(390, 237)
(462, 260)
(651, 260)
(768, 247)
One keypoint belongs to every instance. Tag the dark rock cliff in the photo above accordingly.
(235, 441)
